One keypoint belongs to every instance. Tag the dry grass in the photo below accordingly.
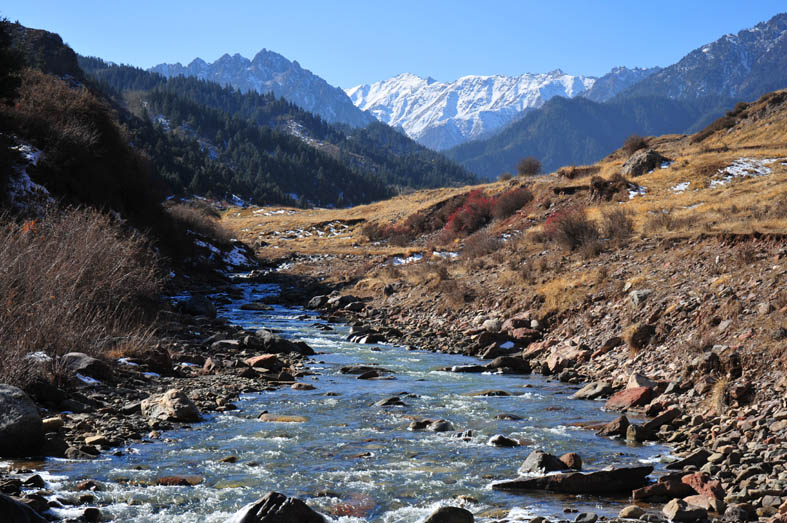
(72, 280)
(200, 218)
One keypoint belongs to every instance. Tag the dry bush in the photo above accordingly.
(529, 166)
(665, 221)
(571, 229)
(480, 244)
(504, 177)
(634, 143)
(72, 280)
(200, 218)
(510, 202)
(617, 226)
(573, 171)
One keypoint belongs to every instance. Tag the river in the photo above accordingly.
(349, 459)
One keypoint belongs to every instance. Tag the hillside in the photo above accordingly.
(347, 166)
(270, 72)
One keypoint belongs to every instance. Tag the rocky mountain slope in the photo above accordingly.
(441, 115)
(271, 72)
(741, 66)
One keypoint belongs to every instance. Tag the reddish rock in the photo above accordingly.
(625, 399)
(602, 482)
(571, 460)
(702, 484)
(665, 418)
(525, 334)
(519, 321)
(663, 490)
(179, 481)
(265, 360)
(616, 427)
(566, 356)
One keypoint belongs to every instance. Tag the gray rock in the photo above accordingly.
(631, 512)
(538, 462)
(79, 362)
(317, 302)
(492, 325)
(638, 297)
(616, 427)
(450, 515)
(679, 510)
(276, 508)
(591, 391)
(21, 427)
(173, 405)
(586, 517)
(498, 440)
(642, 161)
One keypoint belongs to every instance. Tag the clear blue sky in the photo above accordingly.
(351, 42)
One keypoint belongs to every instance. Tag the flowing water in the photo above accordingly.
(349, 459)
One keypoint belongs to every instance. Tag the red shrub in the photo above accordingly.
(472, 215)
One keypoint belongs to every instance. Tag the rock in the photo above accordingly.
(517, 322)
(616, 427)
(363, 369)
(274, 344)
(266, 361)
(740, 512)
(491, 393)
(393, 401)
(642, 161)
(281, 418)
(97, 440)
(14, 511)
(697, 459)
(179, 481)
(492, 325)
(665, 418)
(637, 380)
(466, 368)
(91, 514)
(79, 362)
(199, 305)
(711, 504)
(302, 386)
(256, 306)
(565, 356)
(638, 297)
(631, 512)
(370, 375)
(450, 515)
(571, 460)
(317, 302)
(586, 517)
(339, 302)
(440, 425)
(172, 405)
(625, 399)
(704, 485)
(276, 508)
(509, 362)
(679, 510)
(636, 433)
(662, 490)
(591, 391)
(603, 482)
(539, 462)
(498, 440)
(21, 427)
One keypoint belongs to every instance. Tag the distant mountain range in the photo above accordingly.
(681, 98)
(271, 72)
(442, 115)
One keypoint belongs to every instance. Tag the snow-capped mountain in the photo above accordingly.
(441, 115)
(269, 71)
(616, 81)
(738, 66)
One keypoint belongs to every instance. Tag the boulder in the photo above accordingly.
(663, 490)
(433, 425)
(393, 401)
(679, 510)
(318, 302)
(492, 325)
(625, 399)
(498, 440)
(266, 361)
(21, 427)
(591, 391)
(199, 305)
(642, 161)
(702, 484)
(602, 482)
(172, 405)
(14, 511)
(571, 460)
(276, 508)
(565, 356)
(631, 512)
(665, 418)
(616, 427)
(539, 462)
(450, 515)
(696, 459)
(637, 380)
(79, 362)
(517, 322)
(711, 504)
(363, 369)
(510, 362)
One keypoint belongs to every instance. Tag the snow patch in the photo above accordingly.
(743, 168)
(87, 379)
(410, 259)
(639, 190)
(681, 187)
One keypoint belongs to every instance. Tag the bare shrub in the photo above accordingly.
(617, 226)
(72, 280)
(504, 177)
(510, 202)
(529, 166)
(200, 218)
(634, 143)
(480, 244)
(570, 228)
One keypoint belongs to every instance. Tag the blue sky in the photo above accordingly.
(351, 42)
